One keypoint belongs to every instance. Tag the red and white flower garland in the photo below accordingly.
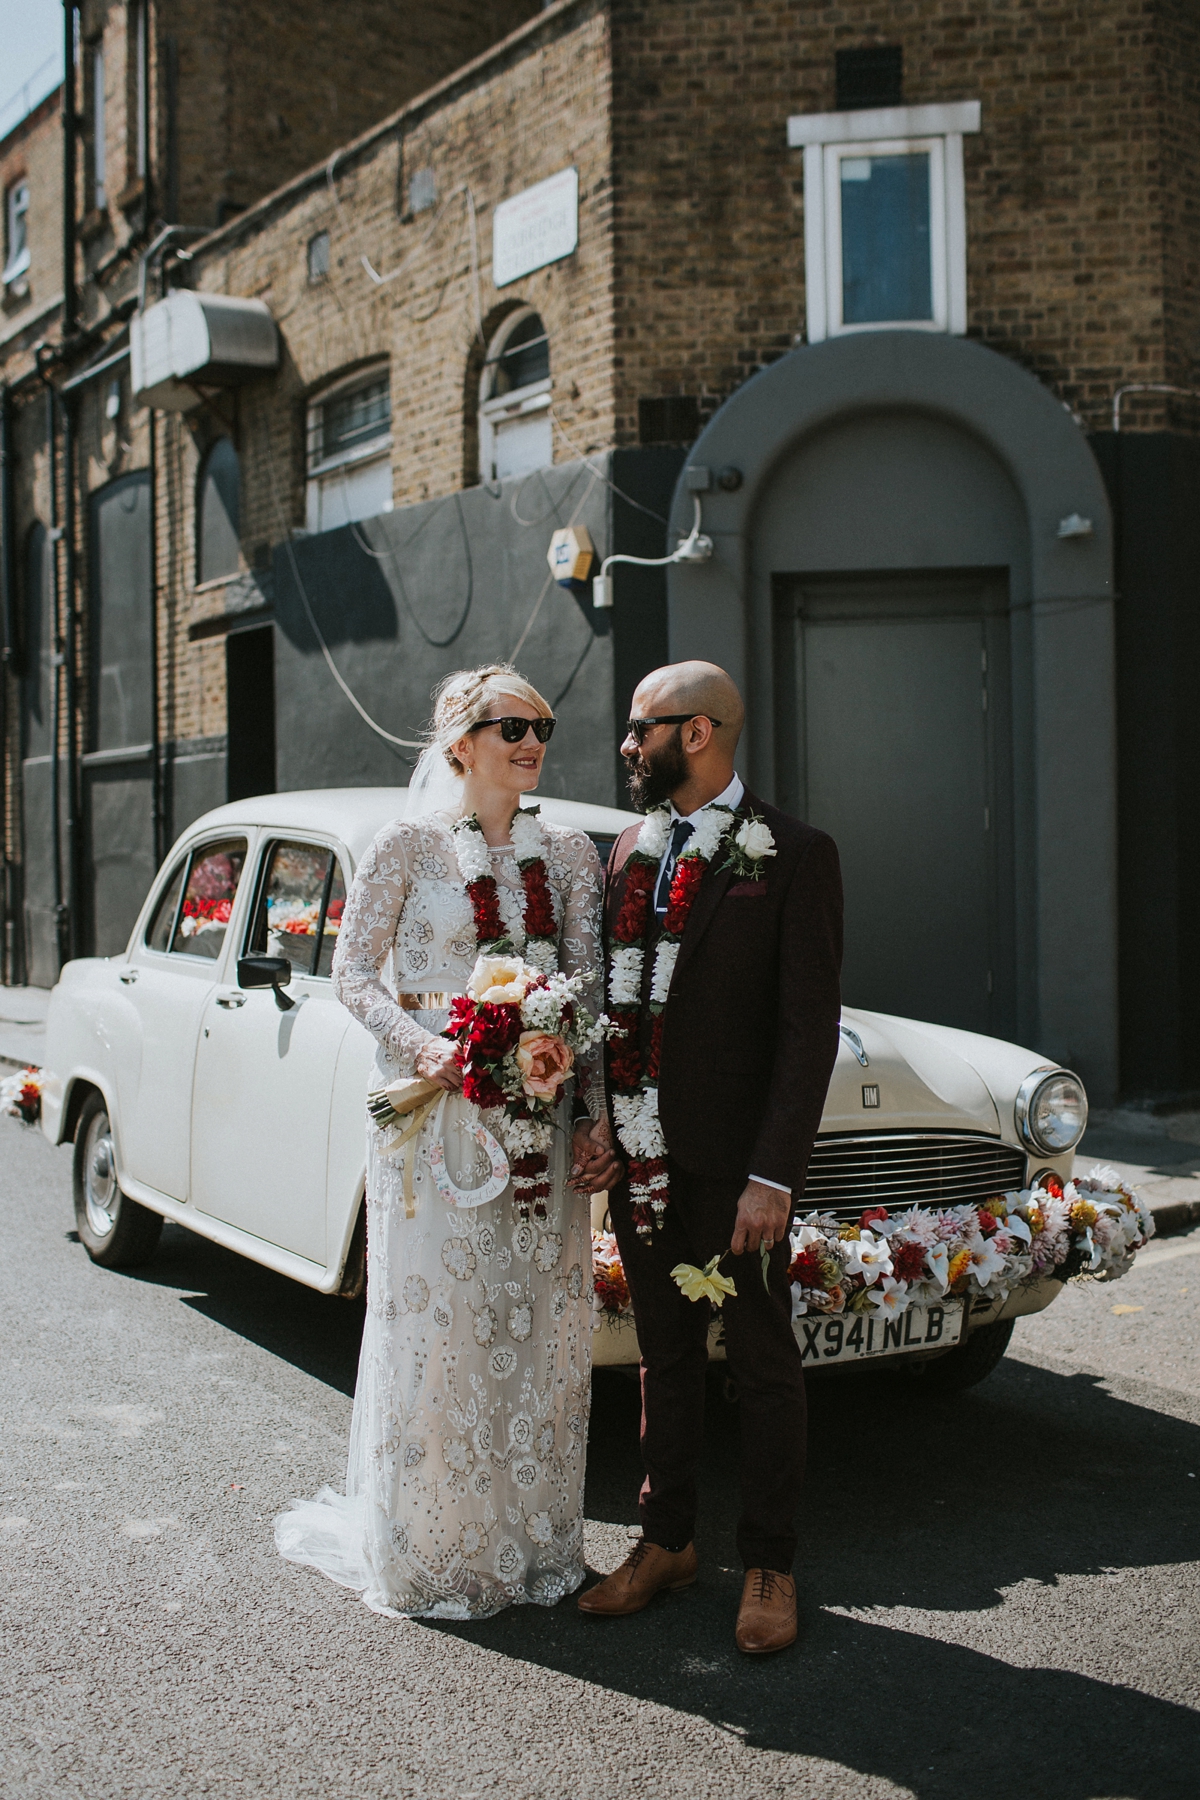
(632, 1078)
(521, 1022)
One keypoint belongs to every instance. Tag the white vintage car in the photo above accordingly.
(209, 1076)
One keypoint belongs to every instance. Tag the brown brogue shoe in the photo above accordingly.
(646, 1571)
(767, 1616)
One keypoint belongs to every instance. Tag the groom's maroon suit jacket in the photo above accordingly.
(751, 1028)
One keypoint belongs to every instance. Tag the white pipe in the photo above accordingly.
(695, 547)
(1147, 387)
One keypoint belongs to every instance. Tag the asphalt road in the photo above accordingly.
(1000, 1590)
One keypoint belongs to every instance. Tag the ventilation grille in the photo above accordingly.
(897, 1169)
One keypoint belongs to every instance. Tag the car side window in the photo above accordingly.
(214, 871)
(162, 919)
(300, 902)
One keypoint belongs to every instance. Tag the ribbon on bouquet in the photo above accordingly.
(405, 1141)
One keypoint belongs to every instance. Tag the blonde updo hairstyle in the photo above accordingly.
(469, 695)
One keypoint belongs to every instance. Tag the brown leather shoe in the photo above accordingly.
(646, 1571)
(767, 1616)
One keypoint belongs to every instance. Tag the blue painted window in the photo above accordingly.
(886, 267)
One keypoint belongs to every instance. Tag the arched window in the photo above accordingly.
(515, 433)
(218, 497)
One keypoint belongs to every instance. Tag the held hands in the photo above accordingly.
(435, 1061)
(595, 1167)
(762, 1217)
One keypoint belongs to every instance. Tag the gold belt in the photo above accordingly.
(430, 1002)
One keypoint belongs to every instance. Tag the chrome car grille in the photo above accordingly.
(897, 1169)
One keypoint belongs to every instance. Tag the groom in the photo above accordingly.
(749, 1037)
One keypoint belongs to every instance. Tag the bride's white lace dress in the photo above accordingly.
(464, 1489)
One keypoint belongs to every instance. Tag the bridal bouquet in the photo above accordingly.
(518, 1031)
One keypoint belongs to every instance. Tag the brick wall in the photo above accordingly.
(524, 113)
(1081, 247)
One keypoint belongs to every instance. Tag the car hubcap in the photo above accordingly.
(100, 1177)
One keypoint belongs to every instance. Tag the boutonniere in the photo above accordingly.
(749, 847)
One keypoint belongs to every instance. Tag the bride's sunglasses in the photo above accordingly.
(514, 730)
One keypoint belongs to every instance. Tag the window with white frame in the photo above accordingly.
(515, 431)
(16, 232)
(885, 239)
(349, 452)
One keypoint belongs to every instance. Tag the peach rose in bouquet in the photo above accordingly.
(545, 1062)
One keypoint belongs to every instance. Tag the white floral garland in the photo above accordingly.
(475, 864)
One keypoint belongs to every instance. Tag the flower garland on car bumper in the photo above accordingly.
(633, 1079)
(1092, 1226)
(21, 1094)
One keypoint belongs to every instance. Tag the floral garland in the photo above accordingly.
(1091, 1226)
(537, 909)
(520, 1024)
(21, 1095)
(634, 1080)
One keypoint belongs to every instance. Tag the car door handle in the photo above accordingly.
(232, 1001)
(128, 976)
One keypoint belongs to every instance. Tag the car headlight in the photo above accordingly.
(1051, 1111)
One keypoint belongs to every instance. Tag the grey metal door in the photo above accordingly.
(37, 764)
(893, 710)
(119, 861)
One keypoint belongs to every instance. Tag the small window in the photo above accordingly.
(16, 232)
(885, 218)
(217, 513)
(516, 435)
(99, 143)
(300, 906)
(161, 928)
(318, 256)
(349, 453)
(208, 898)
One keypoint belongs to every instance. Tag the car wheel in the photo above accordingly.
(968, 1362)
(114, 1230)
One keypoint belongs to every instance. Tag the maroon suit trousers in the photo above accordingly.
(763, 1358)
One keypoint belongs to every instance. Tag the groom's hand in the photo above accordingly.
(595, 1166)
(762, 1217)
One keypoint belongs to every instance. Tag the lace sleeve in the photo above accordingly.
(373, 907)
(581, 949)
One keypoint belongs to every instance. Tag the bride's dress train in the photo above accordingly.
(464, 1485)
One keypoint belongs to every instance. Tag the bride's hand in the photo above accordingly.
(435, 1061)
(595, 1166)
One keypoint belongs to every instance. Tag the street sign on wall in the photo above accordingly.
(537, 227)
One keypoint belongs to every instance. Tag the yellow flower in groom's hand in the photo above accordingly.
(703, 1284)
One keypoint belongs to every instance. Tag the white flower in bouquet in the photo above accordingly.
(754, 840)
(890, 1297)
(986, 1260)
(501, 980)
(937, 1261)
(867, 1256)
(527, 1137)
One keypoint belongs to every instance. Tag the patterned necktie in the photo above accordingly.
(681, 831)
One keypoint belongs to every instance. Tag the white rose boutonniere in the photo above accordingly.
(749, 848)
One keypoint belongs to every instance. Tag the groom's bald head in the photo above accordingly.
(700, 689)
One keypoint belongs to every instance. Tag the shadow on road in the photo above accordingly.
(928, 1503)
(913, 1500)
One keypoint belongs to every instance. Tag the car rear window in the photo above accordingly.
(214, 871)
(300, 902)
(162, 920)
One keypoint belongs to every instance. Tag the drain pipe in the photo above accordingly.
(8, 952)
(70, 653)
(56, 695)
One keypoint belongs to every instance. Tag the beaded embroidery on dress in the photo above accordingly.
(464, 1485)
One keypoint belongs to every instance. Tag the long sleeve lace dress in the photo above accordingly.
(464, 1486)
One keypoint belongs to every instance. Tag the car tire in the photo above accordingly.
(969, 1362)
(115, 1231)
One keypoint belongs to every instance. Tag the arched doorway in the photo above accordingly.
(925, 640)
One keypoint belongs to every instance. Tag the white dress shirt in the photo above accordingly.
(732, 798)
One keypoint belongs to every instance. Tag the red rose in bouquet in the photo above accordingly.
(493, 1031)
(908, 1262)
(872, 1213)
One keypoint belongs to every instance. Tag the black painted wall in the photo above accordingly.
(1154, 485)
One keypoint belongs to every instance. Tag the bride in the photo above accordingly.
(464, 1489)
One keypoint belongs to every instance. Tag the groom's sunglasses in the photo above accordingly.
(514, 730)
(637, 728)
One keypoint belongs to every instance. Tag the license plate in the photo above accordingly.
(852, 1337)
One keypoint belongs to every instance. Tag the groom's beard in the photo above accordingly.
(655, 776)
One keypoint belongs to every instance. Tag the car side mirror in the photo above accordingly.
(267, 971)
